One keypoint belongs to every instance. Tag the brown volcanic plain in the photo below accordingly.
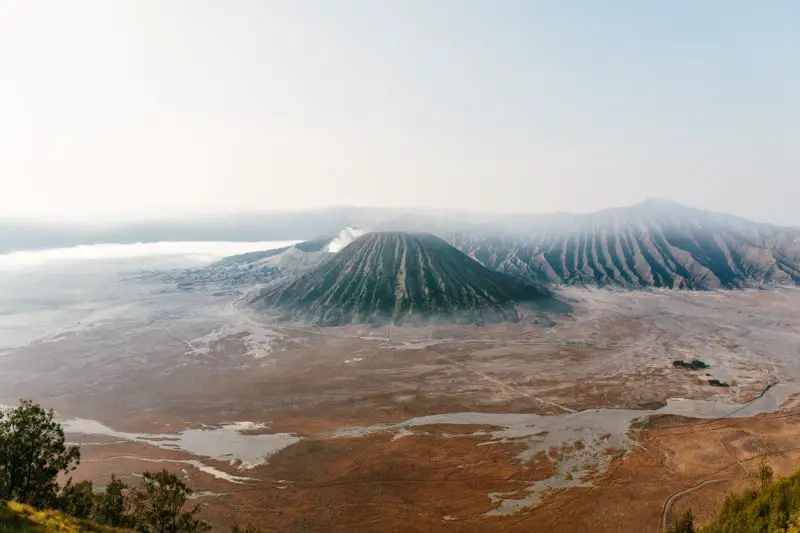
(508, 427)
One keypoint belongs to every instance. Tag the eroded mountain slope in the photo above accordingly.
(398, 277)
(653, 244)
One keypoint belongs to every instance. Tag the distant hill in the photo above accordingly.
(243, 227)
(398, 277)
(244, 271)
(252, 258)
(652, 244)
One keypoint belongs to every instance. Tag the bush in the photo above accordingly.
(77, 499)
(33, 453)
(684, 525)
(694, 364)
(772, 508)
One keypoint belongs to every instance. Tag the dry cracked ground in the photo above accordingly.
(501, 428)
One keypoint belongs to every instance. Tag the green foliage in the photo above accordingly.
(685, 524)
(772, 508)
(113, 505)
(158, 505)
(764, 473)
(32, 454)
(18, 518)
(794, 524)
(694, 364)
(77, 499)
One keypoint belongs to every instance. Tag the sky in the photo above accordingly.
(143, 108)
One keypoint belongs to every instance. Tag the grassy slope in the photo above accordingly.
(769, 509)
(18, 518)
(774, 508)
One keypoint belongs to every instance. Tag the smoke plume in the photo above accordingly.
(345, 237)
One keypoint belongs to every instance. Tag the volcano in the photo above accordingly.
(400, 278)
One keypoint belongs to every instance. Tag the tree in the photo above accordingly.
(77, 499)
(113, 505)
(32, 454)
(794, 524)
(764, 472)
(158, 505)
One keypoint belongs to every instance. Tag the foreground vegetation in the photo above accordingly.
(33, 453)
(774, 507)
(20, 518)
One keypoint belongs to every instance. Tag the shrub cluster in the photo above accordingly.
(694, 364)
(33, 453)
(771, 507)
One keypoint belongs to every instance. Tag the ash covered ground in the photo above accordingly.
(264, 418)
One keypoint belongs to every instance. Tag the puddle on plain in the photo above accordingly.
(225, 443)
(210, 470)
(579, 443)
(257, 340)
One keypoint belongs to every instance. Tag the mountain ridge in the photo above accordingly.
(18, 234)
(655, 244)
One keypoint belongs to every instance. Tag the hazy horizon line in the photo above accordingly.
(167, 216)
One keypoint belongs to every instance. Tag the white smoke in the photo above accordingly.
(345, 237)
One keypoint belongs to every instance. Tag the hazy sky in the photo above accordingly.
(116, 108)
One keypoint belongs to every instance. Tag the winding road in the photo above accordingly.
(675, 496)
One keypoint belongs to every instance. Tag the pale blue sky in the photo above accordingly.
(145, 107)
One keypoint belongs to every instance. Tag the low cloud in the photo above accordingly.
(191, 252)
